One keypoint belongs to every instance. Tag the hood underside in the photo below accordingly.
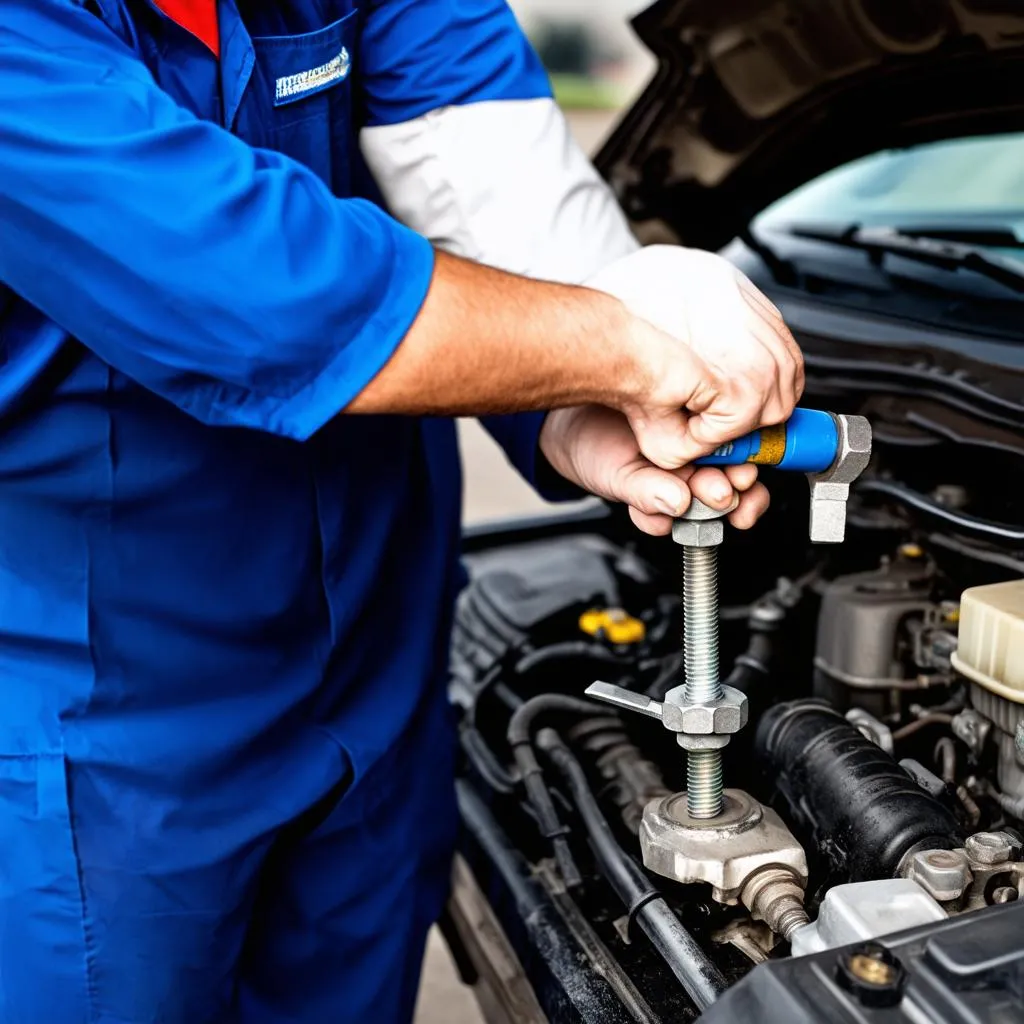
(755, 97)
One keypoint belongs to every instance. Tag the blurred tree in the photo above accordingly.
(566, 47)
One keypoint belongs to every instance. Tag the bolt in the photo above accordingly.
(774, 896)
(944, 874)
(1018, 742)
(989, 847)
(1004, 894)
(700, 659)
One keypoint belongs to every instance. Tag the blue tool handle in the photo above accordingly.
(807, 442)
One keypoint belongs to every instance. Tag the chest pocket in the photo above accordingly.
(299, 100)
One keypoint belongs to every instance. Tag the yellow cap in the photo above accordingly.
(613, 624)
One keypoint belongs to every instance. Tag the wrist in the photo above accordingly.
(631, 352)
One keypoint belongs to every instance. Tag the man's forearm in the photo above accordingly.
(486, 341)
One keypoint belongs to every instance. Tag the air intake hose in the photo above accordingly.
(864, 811)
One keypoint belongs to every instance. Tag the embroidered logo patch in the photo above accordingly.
(292, 87)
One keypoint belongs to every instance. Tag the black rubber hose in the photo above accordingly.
(483, 760)
(520, 739)
(478, 820)
(862, 809)
(573, 649)
(960, 520)
(701, 979)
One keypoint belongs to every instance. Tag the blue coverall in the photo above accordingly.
(225, 754)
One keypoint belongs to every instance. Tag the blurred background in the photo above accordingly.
(597, 67)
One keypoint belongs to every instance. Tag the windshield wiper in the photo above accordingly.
(879, 242)
(988, 235)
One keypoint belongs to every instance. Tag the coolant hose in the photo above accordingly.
(701, 979)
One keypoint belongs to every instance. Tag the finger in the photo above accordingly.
(650, 490)
(771, 314)
(778, 339)
(783, 342)
(739, 413)
(742, 477)
(664, 439)
(656, 526)
(662, 432)
(711, 485)
(753, 504)
(757, 298)
(781, 387)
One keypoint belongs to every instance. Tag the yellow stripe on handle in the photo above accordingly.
(773, 446)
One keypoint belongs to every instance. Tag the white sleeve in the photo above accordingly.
(503, 183)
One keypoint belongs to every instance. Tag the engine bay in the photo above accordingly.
(874, 786)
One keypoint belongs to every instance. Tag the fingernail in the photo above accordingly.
(669, 503)
(721, 494)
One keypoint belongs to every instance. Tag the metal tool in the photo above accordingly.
(710, 834)
(832, 450)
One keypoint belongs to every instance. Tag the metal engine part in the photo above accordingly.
(746, 854)
(633, 781)
(988, 870)
(871, 728)
(1007, 718)
(866, 910)
(882, 630)
(944, 874)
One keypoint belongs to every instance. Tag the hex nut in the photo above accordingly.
(943, 874)
(724, 716)
(710, 741)
(696, 533)
(991, 847)
(853, 454)
(698, 510)
(701, 526)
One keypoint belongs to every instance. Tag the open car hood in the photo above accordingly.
(755, 97)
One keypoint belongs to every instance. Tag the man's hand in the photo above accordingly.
(738, 367)
(596, 449)
(667, 354)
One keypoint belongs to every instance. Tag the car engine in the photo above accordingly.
(872, 782)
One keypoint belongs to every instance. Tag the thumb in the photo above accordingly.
(675, 439)
(662, 430)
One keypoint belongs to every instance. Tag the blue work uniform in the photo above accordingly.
(225, 755)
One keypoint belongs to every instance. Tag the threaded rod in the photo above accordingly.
(700, 661)
(700, 625)
(704, 783)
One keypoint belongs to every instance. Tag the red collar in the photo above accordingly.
(199, 17)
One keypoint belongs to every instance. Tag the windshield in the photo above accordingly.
(975, 182)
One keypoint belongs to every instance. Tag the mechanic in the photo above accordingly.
(229, 525)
